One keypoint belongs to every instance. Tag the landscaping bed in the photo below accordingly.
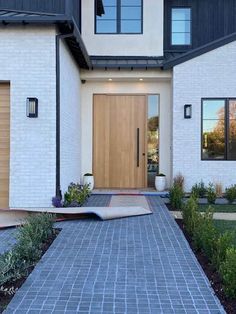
(34, 239)
(211, 273)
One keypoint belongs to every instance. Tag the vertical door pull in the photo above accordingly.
(137, 147)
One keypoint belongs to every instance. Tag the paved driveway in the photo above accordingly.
(134, 265)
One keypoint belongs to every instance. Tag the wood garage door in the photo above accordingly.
(119, 144)
(4, 144)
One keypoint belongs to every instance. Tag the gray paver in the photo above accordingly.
(7, 239)
(134, 265)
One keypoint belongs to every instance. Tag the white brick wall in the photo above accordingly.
(70, 119)
(27, 61)
(209, 75)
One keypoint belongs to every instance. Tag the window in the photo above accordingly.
(181, 26)
(120, 17)
(219, 129)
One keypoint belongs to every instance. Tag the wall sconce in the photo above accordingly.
(187, 111)
(32, 107)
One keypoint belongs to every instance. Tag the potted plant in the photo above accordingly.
(160, 182)
(89, 180)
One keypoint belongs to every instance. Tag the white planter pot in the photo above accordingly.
(160, 183)
(90, 181)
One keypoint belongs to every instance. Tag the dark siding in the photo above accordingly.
(50, 6)
(69, 7)
(211, 20)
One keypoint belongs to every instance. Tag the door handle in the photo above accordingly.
(137, 147)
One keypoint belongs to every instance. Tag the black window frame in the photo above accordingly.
(118, 21)
(179, 46)
(226, 123)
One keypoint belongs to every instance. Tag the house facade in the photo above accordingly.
(119, 88)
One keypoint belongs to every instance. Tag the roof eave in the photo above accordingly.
(200, 51)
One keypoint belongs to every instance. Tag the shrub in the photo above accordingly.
(76, 195)
(199, 189)
(37, 229)
(31, 237)
(176, 196)
(223, 242)
(190, 215)
(228, 272)
(230, 194)
(179, 180)
(205, 233)
(211, 194)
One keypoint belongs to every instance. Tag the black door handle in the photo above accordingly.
(137, 147)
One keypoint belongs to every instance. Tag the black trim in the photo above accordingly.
(118, 20)
(226, 123)
(199, 51)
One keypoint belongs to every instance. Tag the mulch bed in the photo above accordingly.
(214, 278)
(6, 299)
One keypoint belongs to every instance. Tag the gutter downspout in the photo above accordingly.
(58, 107)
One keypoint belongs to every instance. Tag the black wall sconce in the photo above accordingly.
(187, 111)
(32, 107)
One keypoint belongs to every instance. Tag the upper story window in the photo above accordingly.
(181, 26)
(219, 129)
(120, 17)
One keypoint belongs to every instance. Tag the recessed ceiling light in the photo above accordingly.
(141, 79)
(110, 79)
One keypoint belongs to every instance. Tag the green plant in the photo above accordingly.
(190, 215)
(228, 272)
(223, 242)
(205, 234)
(211, 193)
(176, 196)
(31, 238)
(76, 195)
(230, 194)
(199, 189)
(36, 230)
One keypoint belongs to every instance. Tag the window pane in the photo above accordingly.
(232, 109)
(213, 139)
(153, 138)
(214, 109)
(131, 2)
(232, 139)
(181, 26)
(181, 14)
(131, 26)
(106, 26)
(110, 14)
(181, 39)
(131, 13)
(109, 2)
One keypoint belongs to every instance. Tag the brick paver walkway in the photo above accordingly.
(134, 265)
(7, 239)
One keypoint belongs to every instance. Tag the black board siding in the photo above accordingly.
(69, 7)
(211, 20)
(49, 6)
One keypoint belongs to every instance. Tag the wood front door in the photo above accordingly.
(119, 141)
(4, 144)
